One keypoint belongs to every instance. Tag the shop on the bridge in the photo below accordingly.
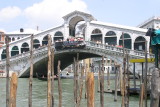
(3, 55)
(111, 38)
(58, 36)
(139, 43)
(96, 36)
(25, 47)
(36, 43)
(14, 51)
(127, 41)
(45, 40)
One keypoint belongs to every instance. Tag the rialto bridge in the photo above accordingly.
(108, 36)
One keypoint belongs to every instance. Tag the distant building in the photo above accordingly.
(2, 38)
(153, 22)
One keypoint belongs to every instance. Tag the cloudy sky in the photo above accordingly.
(16, 14)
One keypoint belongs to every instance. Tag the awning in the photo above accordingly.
(141, 60)
(155, 39)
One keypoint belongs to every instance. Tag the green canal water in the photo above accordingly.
(39, 97)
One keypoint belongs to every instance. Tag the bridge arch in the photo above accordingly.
(96, 35)
(9, 39)
(15, 51)
(111, 38)
(72, 19)
(45, 40)
(24, 47)
(36, 43)
(58, 35)
(139, 43)
(3, 55)
(13, 39)
(127, 41)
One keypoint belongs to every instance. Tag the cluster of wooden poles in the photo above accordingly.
(78, 83)
(12, 83)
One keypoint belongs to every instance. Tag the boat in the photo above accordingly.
(44, 78)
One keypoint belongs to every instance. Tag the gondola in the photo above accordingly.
(44, 78)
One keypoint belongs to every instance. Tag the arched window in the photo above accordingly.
(111, 38)
(14, 51)
(139, 43)
(13, 39)
(96, 36)
(58, 36)
(3, 55)
(24, 47)
(127, 41)
(45, 40)
(36, 43)
(18, 38)
(9, 39)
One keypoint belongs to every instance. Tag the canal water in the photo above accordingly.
(39, 97)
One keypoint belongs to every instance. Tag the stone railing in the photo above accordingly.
(43, 49)
(138, 54)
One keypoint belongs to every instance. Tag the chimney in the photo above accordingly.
(21, 30)
(37, 28)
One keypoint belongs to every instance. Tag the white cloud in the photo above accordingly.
(9, 13)
(49, 13)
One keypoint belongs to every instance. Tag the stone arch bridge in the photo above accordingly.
(20, 63)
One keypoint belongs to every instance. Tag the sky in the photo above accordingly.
(28, 14)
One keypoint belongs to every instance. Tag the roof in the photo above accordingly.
(119, 26)
(79, 12)
(149, 20)
(141, 60)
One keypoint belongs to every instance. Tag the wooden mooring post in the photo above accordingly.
(108, 78)
(13, 89)
(108, 73)
(85, 68)
(145, 75)
(81, 86)
(141, 95)
(76, 81)
(90, 89)
(116, 81)
(128, 82)
(102, 84)
(59, 85)
(7, 71)
(134, 75)
(98, 79)
(49, 95)
(52, 79)
(155, 87)
(31, 73)
(121, 80)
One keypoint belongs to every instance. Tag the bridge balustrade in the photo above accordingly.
(88, 43)
(118, 49)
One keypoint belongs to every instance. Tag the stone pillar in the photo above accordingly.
(87, 32)
(66, 31)
(155, 88)
(133, 40)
